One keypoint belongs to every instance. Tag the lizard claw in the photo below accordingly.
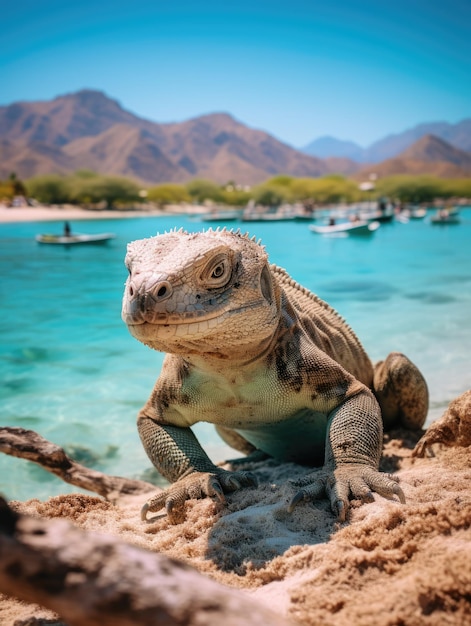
(299, 497)
(352, 480)
(144, 512)
(196, 485)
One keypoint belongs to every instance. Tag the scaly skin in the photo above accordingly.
(272, 366)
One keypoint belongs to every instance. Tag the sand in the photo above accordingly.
(74, 213)
(390, 564)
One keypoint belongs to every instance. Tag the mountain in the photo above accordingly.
(434, 149)
(429, 155)
(326, 147)
(89, 130)
(59, 121)
(124, 150)
(457, 135)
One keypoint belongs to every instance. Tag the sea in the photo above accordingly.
(70, 370)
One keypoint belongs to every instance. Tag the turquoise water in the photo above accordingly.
(70, 370)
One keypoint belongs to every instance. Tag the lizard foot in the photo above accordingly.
(352, 479)
(196, 485)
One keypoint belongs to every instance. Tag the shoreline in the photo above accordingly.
(12, 215)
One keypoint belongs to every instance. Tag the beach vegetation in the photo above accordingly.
(202, 190)
(235, 194)
(237, 197)
(168, 193)
(325, 190)
(269, 195)
(274, 191)
(113, 191)
(11, 187)
(85, 188)
(49, 189)
(423, 189)
(416, 189)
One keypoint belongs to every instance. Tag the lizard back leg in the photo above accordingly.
(239, 443)
(401, 391)
(234, 440)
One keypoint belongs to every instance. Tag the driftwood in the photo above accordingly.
(452, 429)
(91, 579)
(27, 444)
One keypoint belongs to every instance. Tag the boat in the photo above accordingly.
(443, 216)
(260, 213)
(223, 215)
(266, 217)
(78, 238)
(359, 227)
(411, 213)
(418, 214)
(377, 216)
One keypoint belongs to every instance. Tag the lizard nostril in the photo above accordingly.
(131, 291)
(162, 291)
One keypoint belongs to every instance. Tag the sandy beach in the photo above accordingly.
(73, 213)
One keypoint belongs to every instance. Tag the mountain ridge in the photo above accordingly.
(430, 155)
(89, 130)
(458, 135)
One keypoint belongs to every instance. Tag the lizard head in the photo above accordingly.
(208, 293)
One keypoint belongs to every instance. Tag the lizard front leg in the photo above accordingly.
(353, 450)
(178, 456)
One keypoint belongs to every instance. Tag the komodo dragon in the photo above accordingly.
(275, 368)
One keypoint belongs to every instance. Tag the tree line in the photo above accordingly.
(90, 189)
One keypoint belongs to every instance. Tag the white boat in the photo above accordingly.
(443, 216)
(358, 227)
(418, 214)
(79, 238)
(223, 215)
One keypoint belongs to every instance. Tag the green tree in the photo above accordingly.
(269, 195)
(235, 197)
(201, 190)
(49, 189)
(326, 190)
(168, 193)
(112, 190)
(408, 188)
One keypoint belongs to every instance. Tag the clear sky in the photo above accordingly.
(299, 69)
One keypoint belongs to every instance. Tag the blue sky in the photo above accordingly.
(354, 69)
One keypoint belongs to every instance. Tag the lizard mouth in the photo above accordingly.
(155, 318)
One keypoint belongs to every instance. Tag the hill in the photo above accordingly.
(89, 130)
(458, 135)
(429, 155)
(329, 147)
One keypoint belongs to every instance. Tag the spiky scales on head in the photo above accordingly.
(209, 292)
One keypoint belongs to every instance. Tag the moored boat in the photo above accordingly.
(79, 238)
(444, 216)
(358, 227)
(223, 215)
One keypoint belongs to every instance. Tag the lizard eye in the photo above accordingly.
(217, 272)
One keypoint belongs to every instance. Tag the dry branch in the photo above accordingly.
(98, 580)
(27, 444)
